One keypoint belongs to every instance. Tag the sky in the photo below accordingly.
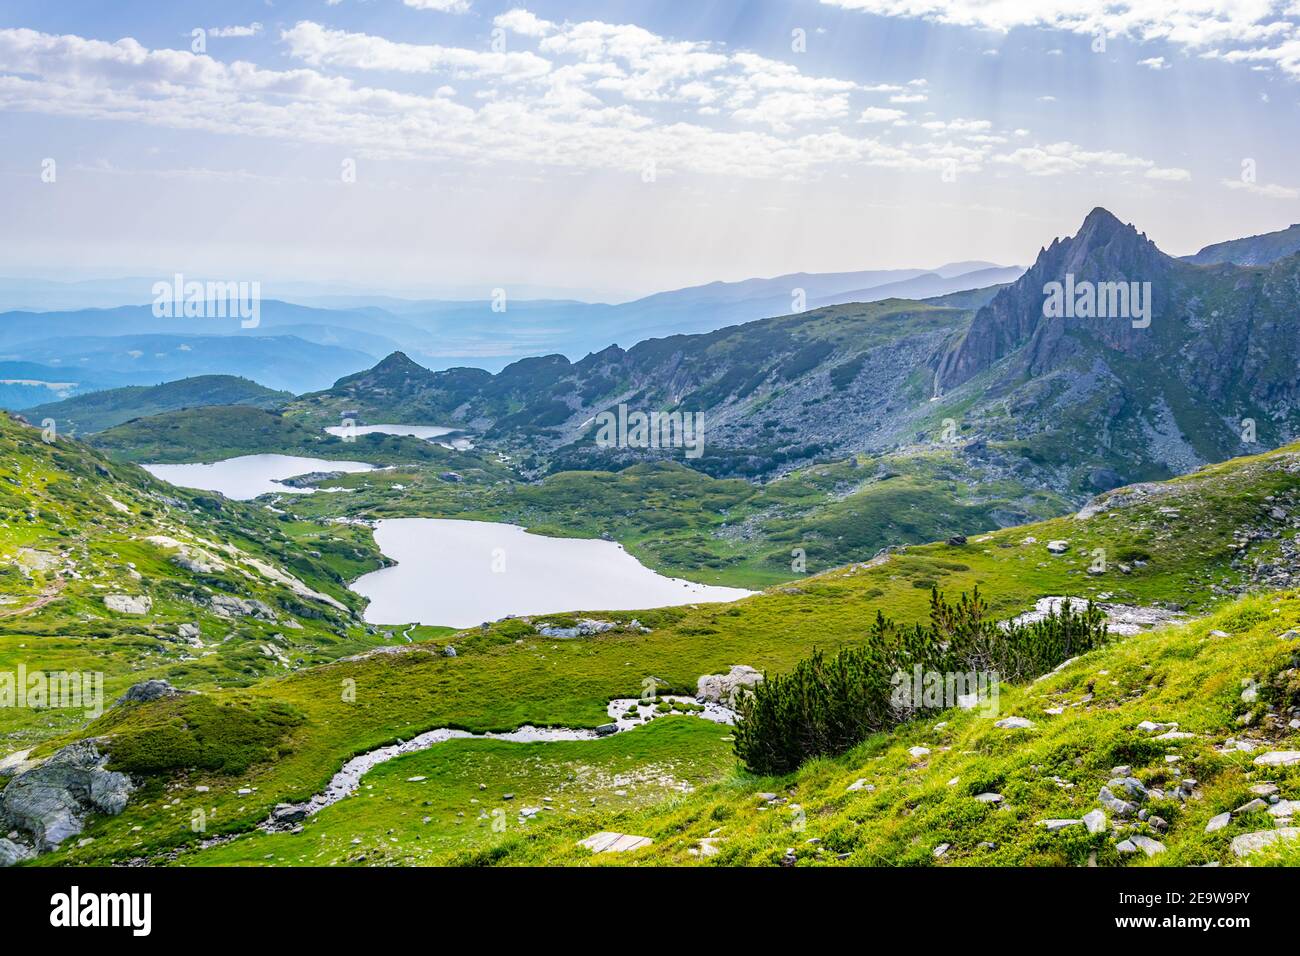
(607, 150)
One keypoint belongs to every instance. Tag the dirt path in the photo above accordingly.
(47, 596)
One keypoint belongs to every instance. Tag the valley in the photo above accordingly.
(509, 632)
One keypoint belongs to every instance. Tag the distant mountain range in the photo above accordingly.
(1073, 404)
(316, 345)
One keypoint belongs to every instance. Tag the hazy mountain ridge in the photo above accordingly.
(85, 414)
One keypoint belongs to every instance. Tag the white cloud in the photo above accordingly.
(1259, 28)
(524, 23)
(1154, 63)
(252, 30)
(591, 96)
(318, 45)
(1268, 190)
(1055, 159)
(908, 98)
(878, 114)
(441, 6)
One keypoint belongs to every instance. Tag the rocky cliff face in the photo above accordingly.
(1208, 367)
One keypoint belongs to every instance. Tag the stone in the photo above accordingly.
(1264, 789)
(1284, 808)
(288, 813)
(1054, 825)
(1095, 821)
(227, 605)
(51, 802)
(1249, 843)
(449, 651)
(1120, 808)
(146, 691)
(940, 850)
(988, 797)
(12, 853)
(1278, 758)
(1147, 845)
(956, 540)
(1058, 547)
(918, 752)
(1151, 727)
(1218, 822)
(859, 784)
(1129, 786)
(128, 604)
(1124, 771)
(1014, 723)
(1175, 735)
(610, 842)
(722, 688)
(1254, 806)
(1126, 846)
(604, 730)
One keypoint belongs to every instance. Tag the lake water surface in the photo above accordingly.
(461, 573)
(248, 476)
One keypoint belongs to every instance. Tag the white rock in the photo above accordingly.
(1249, 843)
(1058, 547)
(989, 797)
(1278, 758)
(1095, 821)
(126, 604)
(1054, 825)
(918, 752)
(1014, 723)
(722, 688)
(1147, 845)
(1218, 822)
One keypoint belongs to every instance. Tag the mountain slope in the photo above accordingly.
(106, 570)
(1251, 250)
(1185, 544)
(97, 411)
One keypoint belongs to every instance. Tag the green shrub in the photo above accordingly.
(825, 706)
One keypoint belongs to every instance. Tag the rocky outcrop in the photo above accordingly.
(146, 691)
(11, 853)
(227, 605)
(128, 604)
(722, 688)
(51, 802)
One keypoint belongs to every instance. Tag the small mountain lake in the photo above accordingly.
(461, 573)
(248, 476)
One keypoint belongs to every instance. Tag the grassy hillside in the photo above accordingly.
(77, 529)
(85, 414)
(1187, 543)
(226, 431)
(887, 804)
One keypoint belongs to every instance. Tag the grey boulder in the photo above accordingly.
(51, 801)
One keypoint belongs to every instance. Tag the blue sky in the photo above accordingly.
(609, 149)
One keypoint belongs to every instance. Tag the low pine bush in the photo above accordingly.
(827, 705)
